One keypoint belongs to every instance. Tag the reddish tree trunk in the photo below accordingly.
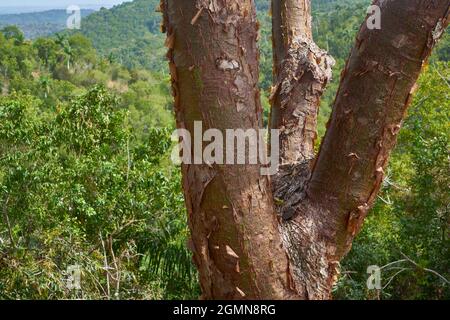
(301, 72)
(283, 238)
(214, 65)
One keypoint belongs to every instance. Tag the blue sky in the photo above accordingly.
(58, 3)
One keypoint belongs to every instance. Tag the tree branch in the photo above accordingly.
(301, 73)
(324, 212)
(376, 89)
(290, 19)
(444, 279)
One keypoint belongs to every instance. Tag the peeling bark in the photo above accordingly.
(213, 57)
(241, 248)
(291, 19)
(376, 89)
(301, 72)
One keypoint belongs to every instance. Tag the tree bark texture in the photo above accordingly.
(255, 237)
(301, 73)
(214, 65)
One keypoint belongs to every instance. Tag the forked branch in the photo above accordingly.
(213, 59)
(376, 89)
(326, 212)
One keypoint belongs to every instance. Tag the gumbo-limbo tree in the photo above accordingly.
(283, 236)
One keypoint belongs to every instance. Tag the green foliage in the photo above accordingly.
(131, 35)
(56, 69)
(14, 33)
(79, 189)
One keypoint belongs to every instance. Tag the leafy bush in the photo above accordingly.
(80, 189)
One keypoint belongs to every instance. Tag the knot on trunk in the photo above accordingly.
(295, 99)
(289, 187)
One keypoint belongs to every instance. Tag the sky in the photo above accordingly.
(58, 3)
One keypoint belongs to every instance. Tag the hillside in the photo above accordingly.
(39, 24)
(57, 69)
(131, 31)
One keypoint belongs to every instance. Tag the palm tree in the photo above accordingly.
(66, 47)
(44, 82)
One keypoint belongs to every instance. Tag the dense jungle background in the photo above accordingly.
(86, 180)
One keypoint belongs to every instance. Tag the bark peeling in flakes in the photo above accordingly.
(241, 249)
(213, 56)
(376, 89)
(302, 78)
(301, 71)
(325, 209)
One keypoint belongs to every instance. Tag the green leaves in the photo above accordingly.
(82, 174)
(91, 123)
(14, 33)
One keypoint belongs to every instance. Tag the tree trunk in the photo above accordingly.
(255, 237)
(301, 73)
(214, 66)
